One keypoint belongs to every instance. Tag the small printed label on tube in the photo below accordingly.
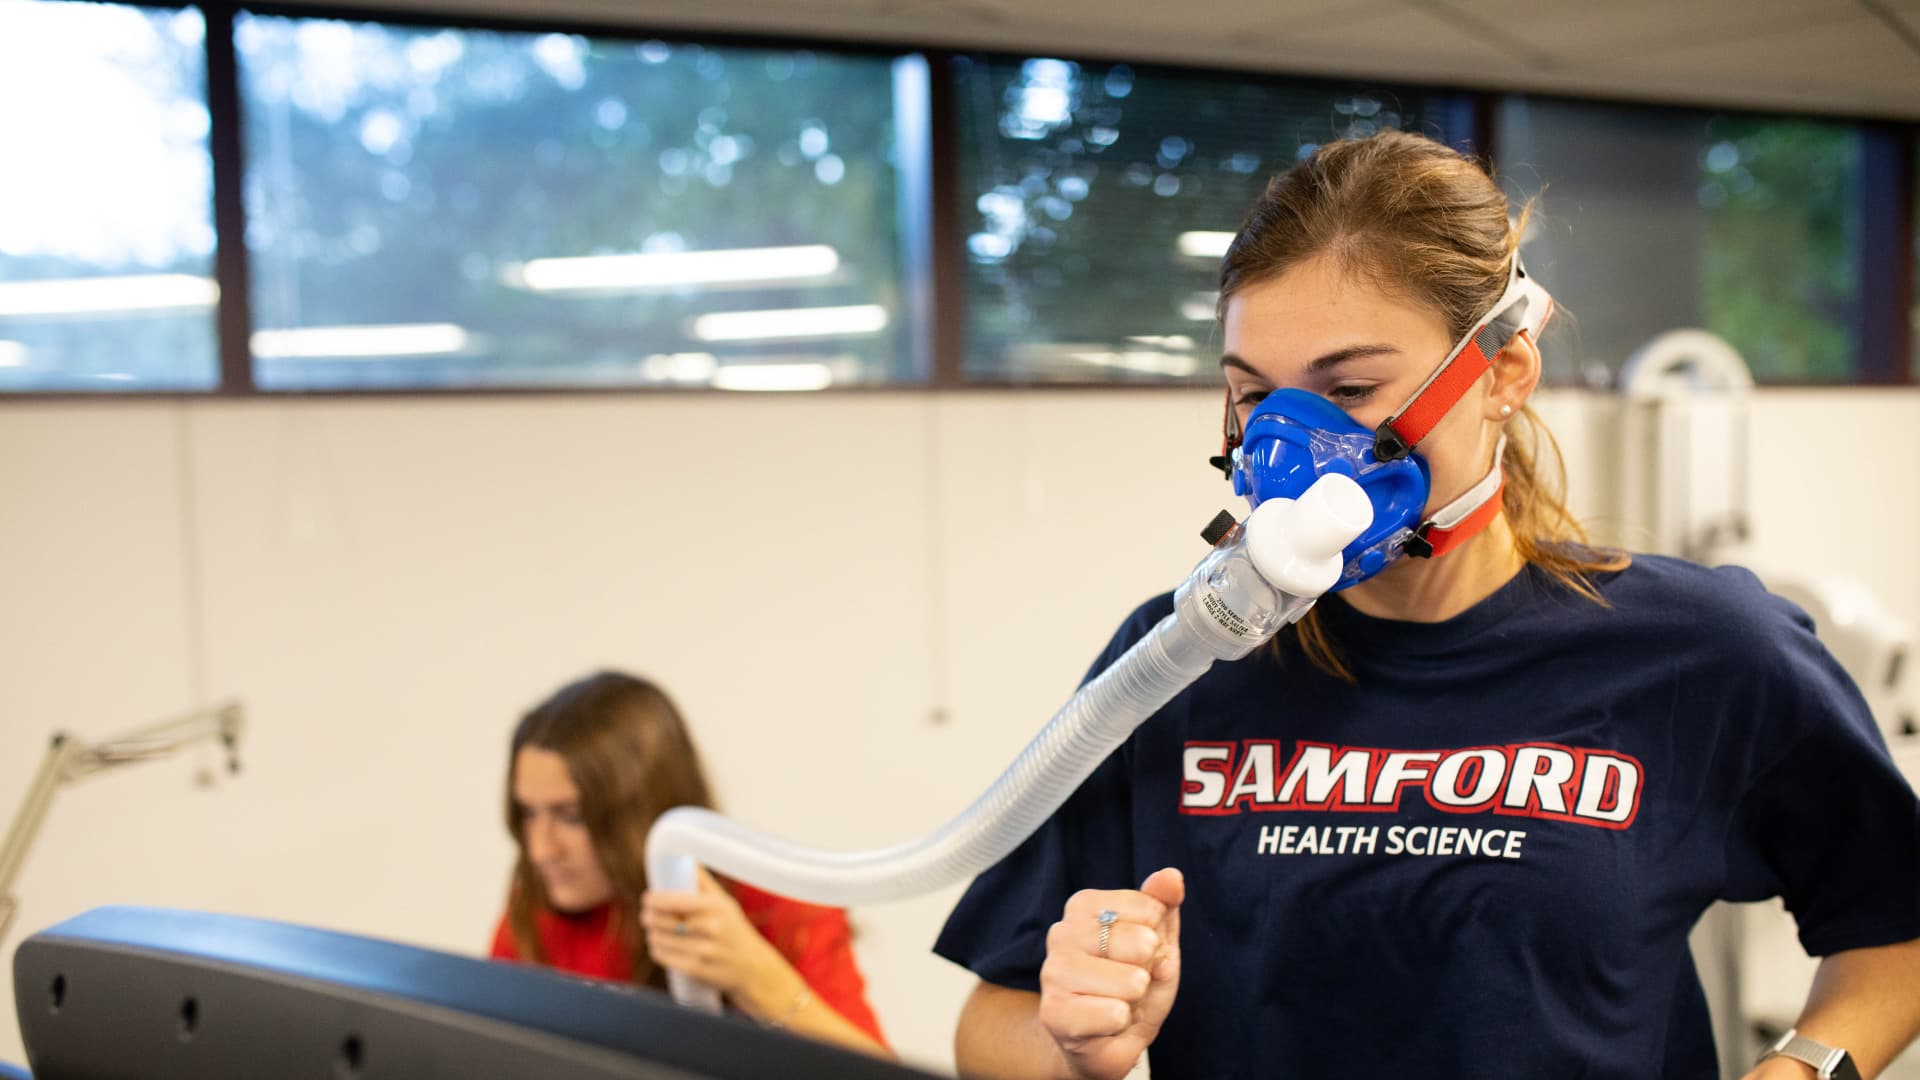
(1224, 615)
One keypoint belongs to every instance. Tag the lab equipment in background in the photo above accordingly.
(70, 758)
(1685, 480)
(1683, 446)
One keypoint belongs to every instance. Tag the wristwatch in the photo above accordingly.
(1829, 1062)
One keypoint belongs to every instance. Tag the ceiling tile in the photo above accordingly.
(1859, 53)
(1395, 38)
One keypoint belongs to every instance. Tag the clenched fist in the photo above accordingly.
(1105, 1010)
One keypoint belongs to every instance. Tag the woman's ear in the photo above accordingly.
(1516, 374)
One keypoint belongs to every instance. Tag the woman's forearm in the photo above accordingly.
(1864, 1000)
(785, 1001)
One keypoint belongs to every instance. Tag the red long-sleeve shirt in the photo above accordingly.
(816, 940)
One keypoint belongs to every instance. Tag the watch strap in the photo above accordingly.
(1827, 1061)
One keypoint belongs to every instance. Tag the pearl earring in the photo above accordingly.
(1506, 411)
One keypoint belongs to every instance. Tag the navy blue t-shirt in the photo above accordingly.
(1481, 858)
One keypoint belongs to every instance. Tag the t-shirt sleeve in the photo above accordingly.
(999, 928)
(1826, 821)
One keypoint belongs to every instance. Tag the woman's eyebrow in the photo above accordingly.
(1332, 359)
(1228, 360)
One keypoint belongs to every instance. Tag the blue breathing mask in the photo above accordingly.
(1294, 437)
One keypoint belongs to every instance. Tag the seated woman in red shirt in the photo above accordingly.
(592, 767)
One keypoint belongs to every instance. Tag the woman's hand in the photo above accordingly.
(1104, 1011)
(707, 936)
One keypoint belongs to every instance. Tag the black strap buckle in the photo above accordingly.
(1417, 545)
(1387, 443)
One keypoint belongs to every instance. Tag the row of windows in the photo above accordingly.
(434, 207)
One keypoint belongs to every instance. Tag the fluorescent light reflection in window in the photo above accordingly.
(773, 377)
(689, 367)
(791, 323)
(1143, 361)
(1205, 245)
(107, 295)
(668, 269)
(361, 342)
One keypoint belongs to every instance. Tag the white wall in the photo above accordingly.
(864, 603)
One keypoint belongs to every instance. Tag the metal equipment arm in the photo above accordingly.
(69, 758)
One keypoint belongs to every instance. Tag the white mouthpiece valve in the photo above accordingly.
(1296, 543)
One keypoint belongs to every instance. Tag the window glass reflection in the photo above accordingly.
(435, 208)
(1097, 200)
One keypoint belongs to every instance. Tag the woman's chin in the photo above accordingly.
(572, 900)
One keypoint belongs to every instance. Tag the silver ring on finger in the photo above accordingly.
(680, 929)
(1107, 918)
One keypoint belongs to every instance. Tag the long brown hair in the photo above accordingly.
(1419, 219)
(631, 758)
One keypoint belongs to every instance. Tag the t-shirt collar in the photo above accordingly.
(1357, 635)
